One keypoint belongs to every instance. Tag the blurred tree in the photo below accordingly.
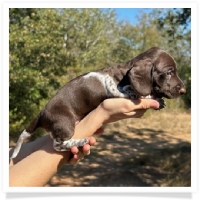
(49, 47)
(35, 45)
(46, 45)
(174, 25)
(133, 40)
(146, 33)
(90, 35)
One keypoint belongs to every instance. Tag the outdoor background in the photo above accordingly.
(49, 47)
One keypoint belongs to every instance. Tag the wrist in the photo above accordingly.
(103, 113)
(91, 123)
(45, 144)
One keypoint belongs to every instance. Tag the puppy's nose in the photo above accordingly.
(182, 91)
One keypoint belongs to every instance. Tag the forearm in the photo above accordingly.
(27, 149)
(42, 161)
(39, 166)
(92, 122)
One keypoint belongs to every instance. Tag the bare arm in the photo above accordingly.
(42, 161)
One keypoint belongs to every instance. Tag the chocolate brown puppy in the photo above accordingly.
(152, 74)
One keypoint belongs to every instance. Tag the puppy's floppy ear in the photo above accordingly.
(140, 77)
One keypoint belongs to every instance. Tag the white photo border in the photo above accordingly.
(93, 4)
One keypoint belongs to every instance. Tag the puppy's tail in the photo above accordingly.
(25, 134)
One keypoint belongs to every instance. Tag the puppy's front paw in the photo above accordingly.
(161, 103)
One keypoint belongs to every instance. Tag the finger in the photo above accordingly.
(92, 141)
(74, 150)
(135, 114)
(86, 150)
(145, 104)
(76, 158)
(73, 160)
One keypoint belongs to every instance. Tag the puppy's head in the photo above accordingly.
(154, 73)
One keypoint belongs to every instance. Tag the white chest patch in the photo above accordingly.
(107, 82)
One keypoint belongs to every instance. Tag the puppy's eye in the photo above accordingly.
(169, 73)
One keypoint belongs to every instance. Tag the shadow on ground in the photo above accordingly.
(131, 157)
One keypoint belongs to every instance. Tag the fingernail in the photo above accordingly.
(154, 104)
(87, 153)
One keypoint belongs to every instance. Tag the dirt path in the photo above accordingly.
(152, 151)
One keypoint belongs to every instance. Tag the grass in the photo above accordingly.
(168, 135)
(152, 151)
(167, 167)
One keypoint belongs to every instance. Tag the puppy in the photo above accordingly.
(152, 74)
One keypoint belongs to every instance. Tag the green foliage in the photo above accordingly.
(36, 57)
(147, 34)
(174, 25)
(48, 47)
(89, 37)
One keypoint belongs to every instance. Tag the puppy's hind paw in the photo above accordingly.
(68, 144)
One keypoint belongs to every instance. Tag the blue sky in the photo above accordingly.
(130, 14)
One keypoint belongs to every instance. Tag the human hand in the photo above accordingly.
(79, 153)
(29, 157)
(119, 108)
(45, 143)
(111, 110)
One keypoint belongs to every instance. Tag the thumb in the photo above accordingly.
(147, 103)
